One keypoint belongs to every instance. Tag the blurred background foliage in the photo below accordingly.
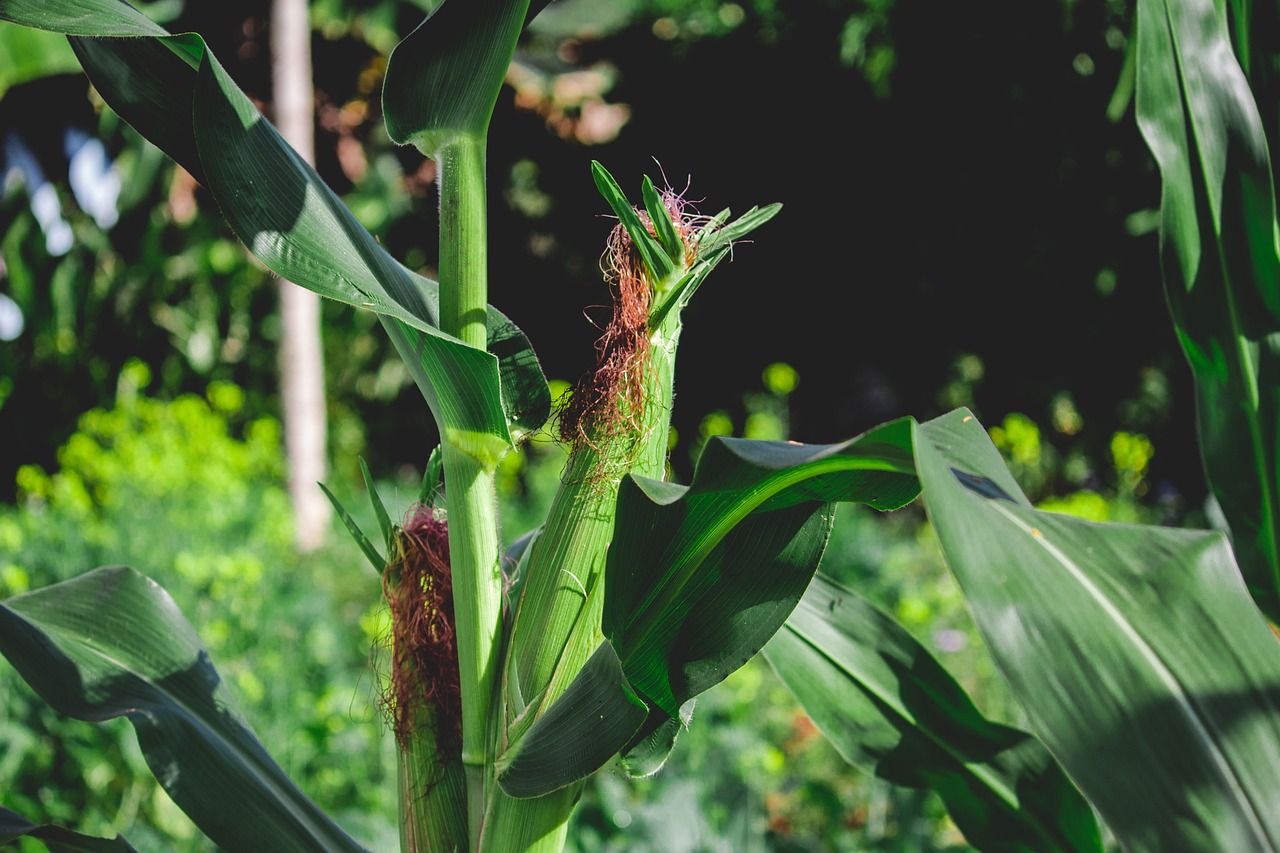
(965, 179)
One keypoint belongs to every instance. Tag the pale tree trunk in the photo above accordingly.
(301, 356)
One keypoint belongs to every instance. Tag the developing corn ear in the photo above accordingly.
(616, 422)
(423, 699)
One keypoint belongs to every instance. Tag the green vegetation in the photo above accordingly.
(536, 685)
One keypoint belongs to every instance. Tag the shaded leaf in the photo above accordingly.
(56, 838)
(1220, 264)
(651, 746)
(1136, 651)
(888, 706)
(112, 643)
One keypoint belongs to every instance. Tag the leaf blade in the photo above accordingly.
(1133, 642)
(1220, 264)
(887, 705)
(112, 643)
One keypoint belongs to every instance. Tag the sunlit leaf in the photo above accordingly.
(1141, 661)
(1220, 264)
(444, 78)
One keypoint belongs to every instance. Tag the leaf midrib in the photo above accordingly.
(1156, 663)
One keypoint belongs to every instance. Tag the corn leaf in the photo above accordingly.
(700, 577)
(1220, 264)
(366, 547)
(57, 839)
(174, 92)
(581, 731)
(1136, 651)
(888, 706)
(444, 78)
(655, 258)
(112, 643)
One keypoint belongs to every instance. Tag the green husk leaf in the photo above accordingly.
(379, 510)
(661, 219)
(651, 252)
(369, 550)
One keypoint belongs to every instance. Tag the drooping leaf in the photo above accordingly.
(112, 643)
(174, 92)
(652, 745)
(579, 733)
(888, 706)
(444, 78)
(57, 839)
(1141, 661)
(1220, 264)
(700, 577)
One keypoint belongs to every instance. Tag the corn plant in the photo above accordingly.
(1146, 670)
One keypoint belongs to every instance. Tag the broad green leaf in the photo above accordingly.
(579, 733)
(174, 92)
(700, 577)
(81, 17)
(1141, 661)
(112, 643)
(56, 838)
(888, 706)
(444, 78)
(1220, 264)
